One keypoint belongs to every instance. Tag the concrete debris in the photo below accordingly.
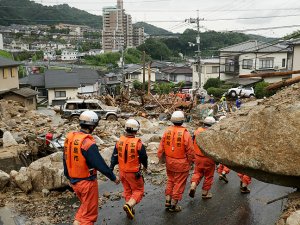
(4, 179)
(22, 179)
(294, 218)
(261, 141)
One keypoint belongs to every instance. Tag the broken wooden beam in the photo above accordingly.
(273, 74)
(283, 83)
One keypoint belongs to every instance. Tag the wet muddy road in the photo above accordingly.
(227, 207)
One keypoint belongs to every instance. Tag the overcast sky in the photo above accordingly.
(228, 14)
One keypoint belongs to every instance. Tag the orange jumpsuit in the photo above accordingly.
(223, 168)
(177, 168)
(133, 150)
(245, 179)
(204, 166)
(81, 161)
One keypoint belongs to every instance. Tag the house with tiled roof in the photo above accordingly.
(254, 57)
(177, 74)
(68, 84)
(9, 84)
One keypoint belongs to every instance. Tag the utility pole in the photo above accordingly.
(123, 75)
(149, 78)
(197, 21)
(144, 71)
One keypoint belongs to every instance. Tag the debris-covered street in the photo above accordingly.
(35, 191)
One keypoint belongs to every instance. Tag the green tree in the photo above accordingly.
(137, 85)
(5, 54)
(261, 91)
(156, 49)
(212, 82)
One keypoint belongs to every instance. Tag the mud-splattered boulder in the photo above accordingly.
(261, 141)
(48, 173)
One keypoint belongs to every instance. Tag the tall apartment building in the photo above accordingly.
(138, 36)
(117, 30)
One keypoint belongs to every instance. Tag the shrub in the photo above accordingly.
(212, 82)
(137, 85)
(261, 91)
(216, 92)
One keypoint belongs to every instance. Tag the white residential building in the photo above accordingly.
(1, 42)
(69, 55)
(209, 69)
(254, 57)
(49, 55)
(296, 56)
(94, 52)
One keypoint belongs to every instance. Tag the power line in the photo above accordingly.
(171, 11)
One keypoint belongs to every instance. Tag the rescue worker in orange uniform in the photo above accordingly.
(130, 154)
(176, 147)
(245, 181)
(204, 166)
(81, 161)
(222, 171)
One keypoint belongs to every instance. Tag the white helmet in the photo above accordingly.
(177, 117)
(132, 125)
(209, 121)
(88, 118)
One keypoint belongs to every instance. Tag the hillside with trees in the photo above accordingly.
(211, 42)
(28, 12)
(152, 30)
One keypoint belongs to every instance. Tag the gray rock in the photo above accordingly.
(4, 179)
(8, 140)
(45, 192)
(153, 147)
(11, 123)
(294, 218)
(106, 153)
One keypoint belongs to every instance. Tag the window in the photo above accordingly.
(247, 64)
(60, 94)
(266, 63)
(7, 73)
(173, 78)
(134, 76)
(93, 106)
(14, 72)
(215, 69)
(189, 79)
(283, 63)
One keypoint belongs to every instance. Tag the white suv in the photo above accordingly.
(241, 91)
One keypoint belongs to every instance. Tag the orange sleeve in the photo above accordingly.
(161, 150)
(188, 143)
(87, 143)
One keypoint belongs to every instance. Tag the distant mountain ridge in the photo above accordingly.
(153, 30)
(29, 13)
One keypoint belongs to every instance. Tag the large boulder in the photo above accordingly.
(4, 179)
(261, 141)
(48, 173)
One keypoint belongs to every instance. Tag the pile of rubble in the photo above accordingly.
(261, 141)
